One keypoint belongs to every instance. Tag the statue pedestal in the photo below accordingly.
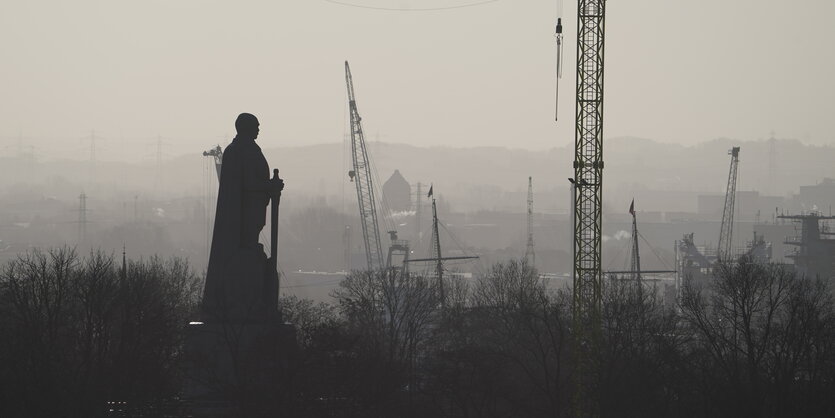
(236, 365)
(243, 289)
(238, 359)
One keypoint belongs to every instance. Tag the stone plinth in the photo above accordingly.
(237, 362)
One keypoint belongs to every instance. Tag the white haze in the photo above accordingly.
(169, 76)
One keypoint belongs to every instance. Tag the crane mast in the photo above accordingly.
(530, 255)
(588, 199)
(723, 252)
(361, 175)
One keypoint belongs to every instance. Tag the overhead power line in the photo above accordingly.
(404, 9)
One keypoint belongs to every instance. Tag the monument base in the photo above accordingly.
(237, 365)
(244, 288)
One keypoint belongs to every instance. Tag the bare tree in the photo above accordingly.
(766, 338)
(642, 355)
(38, 290)
(79, 332)
(507, 352)
(308, 317)
(392, 315)
(396, 309)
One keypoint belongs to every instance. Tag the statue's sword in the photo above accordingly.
(275, 198)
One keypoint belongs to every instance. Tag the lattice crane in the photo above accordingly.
(361, 175)
(217, 154)
(530, 255)
(588, 200)
(723, 252)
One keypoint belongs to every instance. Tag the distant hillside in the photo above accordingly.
(496, 178)
(467, 179)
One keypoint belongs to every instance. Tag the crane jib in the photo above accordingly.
(362, 178)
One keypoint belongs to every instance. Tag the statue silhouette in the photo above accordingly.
(241, 347)
(239, 283)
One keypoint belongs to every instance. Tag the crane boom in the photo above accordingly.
(361, 175)
(723, 252)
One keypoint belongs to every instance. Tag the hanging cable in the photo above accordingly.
(559, 38)
(388, 222)
(404, 9)
(454, 239)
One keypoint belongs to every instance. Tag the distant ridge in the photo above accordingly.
(474, 177)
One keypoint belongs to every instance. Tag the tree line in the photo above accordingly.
(755, 341)
(84, 336)
(78, 332)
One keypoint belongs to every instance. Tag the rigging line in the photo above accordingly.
(655, 252)
(280, 274)
(454, 240)
(344, 146)
(427, 232)
(427, 9)
(617, 256)
(376, 186)
(388, 222)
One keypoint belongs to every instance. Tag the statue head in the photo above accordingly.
(247, 126)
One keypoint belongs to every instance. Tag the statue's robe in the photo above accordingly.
(237, 273)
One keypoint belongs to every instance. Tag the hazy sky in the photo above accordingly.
(676, 71)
